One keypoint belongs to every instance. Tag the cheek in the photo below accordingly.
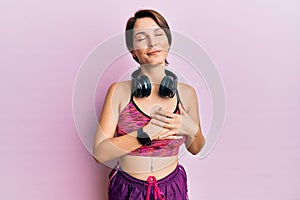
(165, 44)
(140, 53)
(140, 47)
(165, 55)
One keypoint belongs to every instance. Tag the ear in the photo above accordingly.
(133, 54)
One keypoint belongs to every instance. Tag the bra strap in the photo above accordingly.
(179, 100)
(131, 97)
(178, 97)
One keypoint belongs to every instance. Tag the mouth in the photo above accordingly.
(154, 52)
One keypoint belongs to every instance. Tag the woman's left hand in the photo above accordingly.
(178, 124)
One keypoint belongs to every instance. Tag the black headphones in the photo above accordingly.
(141, 86)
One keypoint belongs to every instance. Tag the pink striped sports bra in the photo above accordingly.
(132, 118)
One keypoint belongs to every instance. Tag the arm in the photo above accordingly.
(186, 123)
(106, 146)
(194, 143)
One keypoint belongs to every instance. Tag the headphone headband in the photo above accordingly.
(141, 86)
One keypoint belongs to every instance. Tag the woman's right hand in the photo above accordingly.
(155, 132)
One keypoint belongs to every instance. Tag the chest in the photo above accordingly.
(152, 103)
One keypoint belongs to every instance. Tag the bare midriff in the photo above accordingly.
(141, 167)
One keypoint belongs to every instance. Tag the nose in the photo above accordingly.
(152, 41)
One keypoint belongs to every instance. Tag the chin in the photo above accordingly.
(157, 62)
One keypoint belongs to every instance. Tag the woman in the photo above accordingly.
(152, 115)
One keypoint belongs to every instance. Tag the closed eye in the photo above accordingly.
(140, 36)
(141, 39)
(159, 32)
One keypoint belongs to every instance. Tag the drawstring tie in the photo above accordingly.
(151, 181)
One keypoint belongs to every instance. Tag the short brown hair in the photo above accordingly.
(157, 17)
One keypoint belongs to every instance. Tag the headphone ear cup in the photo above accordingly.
(141, 86)
(168, 87)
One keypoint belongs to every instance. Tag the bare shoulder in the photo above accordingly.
(120, 93)
(186, 90)
(187, 95)
(121, 87)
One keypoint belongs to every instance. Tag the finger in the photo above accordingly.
(175, 119)
(166, 135)
(155, 109)
(166, 114)
(163, 124)
(170, 137)
(171, 126)
(158, 123)
(174, 137)
(162, 118)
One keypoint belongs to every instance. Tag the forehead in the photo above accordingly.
(145, 23)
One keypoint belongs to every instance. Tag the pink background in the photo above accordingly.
(255, 45)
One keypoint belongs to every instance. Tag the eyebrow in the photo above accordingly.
(143, 32)
(158, 29)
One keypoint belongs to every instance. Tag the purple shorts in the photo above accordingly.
(122, 186)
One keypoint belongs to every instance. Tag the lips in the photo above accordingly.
(153, 52)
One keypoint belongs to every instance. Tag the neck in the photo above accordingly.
(155, 73)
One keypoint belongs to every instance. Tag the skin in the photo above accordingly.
(151, 48)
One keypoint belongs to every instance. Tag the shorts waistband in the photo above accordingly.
(141, 183)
